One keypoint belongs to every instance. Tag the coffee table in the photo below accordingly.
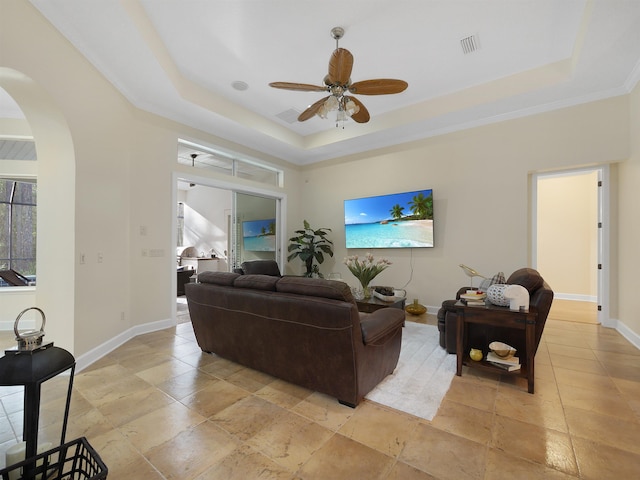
(372, 304)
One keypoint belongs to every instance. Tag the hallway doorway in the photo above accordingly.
(569, 241)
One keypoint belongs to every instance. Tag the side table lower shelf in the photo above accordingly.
(486, 366)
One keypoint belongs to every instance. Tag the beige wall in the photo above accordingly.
(629, 235)
(122, 160)
(94, 196)
(567, 233)
(480, 180)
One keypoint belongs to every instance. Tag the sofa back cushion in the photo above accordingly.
(315, 287)
(218, 278)
(256, 282)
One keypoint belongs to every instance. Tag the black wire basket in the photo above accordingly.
(75, 460)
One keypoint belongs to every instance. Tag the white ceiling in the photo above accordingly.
(179, 58)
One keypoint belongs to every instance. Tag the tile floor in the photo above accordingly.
(157, 408)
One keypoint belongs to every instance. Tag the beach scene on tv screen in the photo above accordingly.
(399, 220)
(259, 235)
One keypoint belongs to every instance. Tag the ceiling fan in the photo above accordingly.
(338, 84)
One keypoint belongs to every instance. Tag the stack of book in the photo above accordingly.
(473, 298)
(510, 364)
(473, 301)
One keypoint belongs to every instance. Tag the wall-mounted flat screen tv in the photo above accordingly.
(398, 220)
(259, 235)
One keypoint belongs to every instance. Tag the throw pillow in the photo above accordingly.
(487, 282)
(495, 295)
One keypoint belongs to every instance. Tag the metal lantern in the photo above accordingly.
(31, 364)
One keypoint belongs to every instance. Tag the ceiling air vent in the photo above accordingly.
(470, 44)
(289, 116)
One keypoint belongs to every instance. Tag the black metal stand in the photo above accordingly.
(31, 368)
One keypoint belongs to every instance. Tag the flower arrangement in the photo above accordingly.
(366, 269)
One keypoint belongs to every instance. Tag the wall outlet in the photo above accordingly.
(83, 259)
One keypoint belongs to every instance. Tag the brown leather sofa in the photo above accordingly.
(306, 331)
(479, 336)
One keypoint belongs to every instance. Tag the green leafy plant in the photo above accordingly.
(310, 245)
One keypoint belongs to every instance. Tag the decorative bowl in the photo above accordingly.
(502, 349)
(384, 298)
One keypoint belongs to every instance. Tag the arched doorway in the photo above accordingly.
(55, 292)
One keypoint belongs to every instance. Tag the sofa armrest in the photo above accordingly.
(377, 325)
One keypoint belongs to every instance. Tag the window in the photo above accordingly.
(228, 163)
(180, 224)
(18, 213)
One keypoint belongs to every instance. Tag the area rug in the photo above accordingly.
(422, 377)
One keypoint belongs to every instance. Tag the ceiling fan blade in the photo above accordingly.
(301, 87)
(312, 110)
(362, 116)
(379, 86)
(340, 65)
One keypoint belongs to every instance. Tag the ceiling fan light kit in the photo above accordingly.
(338, 83)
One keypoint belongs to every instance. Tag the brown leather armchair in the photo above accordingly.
(540, 296)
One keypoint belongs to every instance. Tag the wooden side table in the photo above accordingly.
(498, 317)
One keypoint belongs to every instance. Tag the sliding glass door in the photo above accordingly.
(255, 228)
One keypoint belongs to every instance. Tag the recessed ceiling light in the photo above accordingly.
(240, 85)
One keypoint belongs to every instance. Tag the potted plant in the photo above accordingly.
(310, 245)
(366, 269)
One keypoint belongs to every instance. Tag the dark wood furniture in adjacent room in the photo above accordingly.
(184, 276)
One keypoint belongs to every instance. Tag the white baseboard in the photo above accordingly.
(576, 297)
(86, 359)
(625, 331)
(24, 325)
